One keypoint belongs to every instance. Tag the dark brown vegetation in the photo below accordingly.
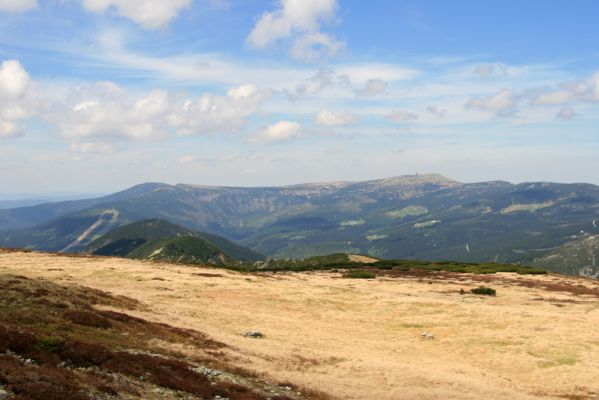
(483, 290)
(54, 344)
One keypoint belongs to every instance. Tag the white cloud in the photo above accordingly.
(17, 5)
(299, 20)
(106, 110)
(586, 90)
(315, 46)
(498, 102)
(292, 15)
(330, 118)
(280, 132)
(14, 104)
(150, 14)
(566, 113)
(218, 114)
(14, 80)
(401, 116)
(374, 87)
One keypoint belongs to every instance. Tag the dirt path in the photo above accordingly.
(360, 339)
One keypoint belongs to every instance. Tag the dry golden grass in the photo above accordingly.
(360, 339)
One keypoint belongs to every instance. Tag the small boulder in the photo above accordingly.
(253, 335)
(427, 336)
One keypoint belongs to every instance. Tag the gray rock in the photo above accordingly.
(253, 335)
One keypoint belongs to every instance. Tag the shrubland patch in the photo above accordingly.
(359, 274)
(339, 261)
(55, 344)
(487, 291)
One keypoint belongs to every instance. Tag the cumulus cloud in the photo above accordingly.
(498, 102)
(14, 80)
(586, 90)
(17, 5)
(280, 132)
(150, 14)
(401, 116)
(373, 87)
(14, 86)
(300, 21)
(330, 118)
(106, 110)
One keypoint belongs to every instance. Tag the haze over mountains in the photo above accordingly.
(416, 216)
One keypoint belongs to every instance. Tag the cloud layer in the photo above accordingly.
(107, 110)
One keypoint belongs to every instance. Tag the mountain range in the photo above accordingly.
(416, 216)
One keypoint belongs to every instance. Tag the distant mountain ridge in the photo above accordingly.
(415, 216)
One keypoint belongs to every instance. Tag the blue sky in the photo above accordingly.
(98, 95)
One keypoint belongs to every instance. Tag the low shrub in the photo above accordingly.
(487, 291)
(43, 383)
(51, 344)
(87, 318)
(359, 274)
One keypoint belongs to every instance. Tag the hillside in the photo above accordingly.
(157, 239)
(408, 217)
(21, 218)
(325, 336)
(63, 341)
(70, 233)
(577, 257)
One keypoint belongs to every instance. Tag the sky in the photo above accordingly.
(100, 95)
